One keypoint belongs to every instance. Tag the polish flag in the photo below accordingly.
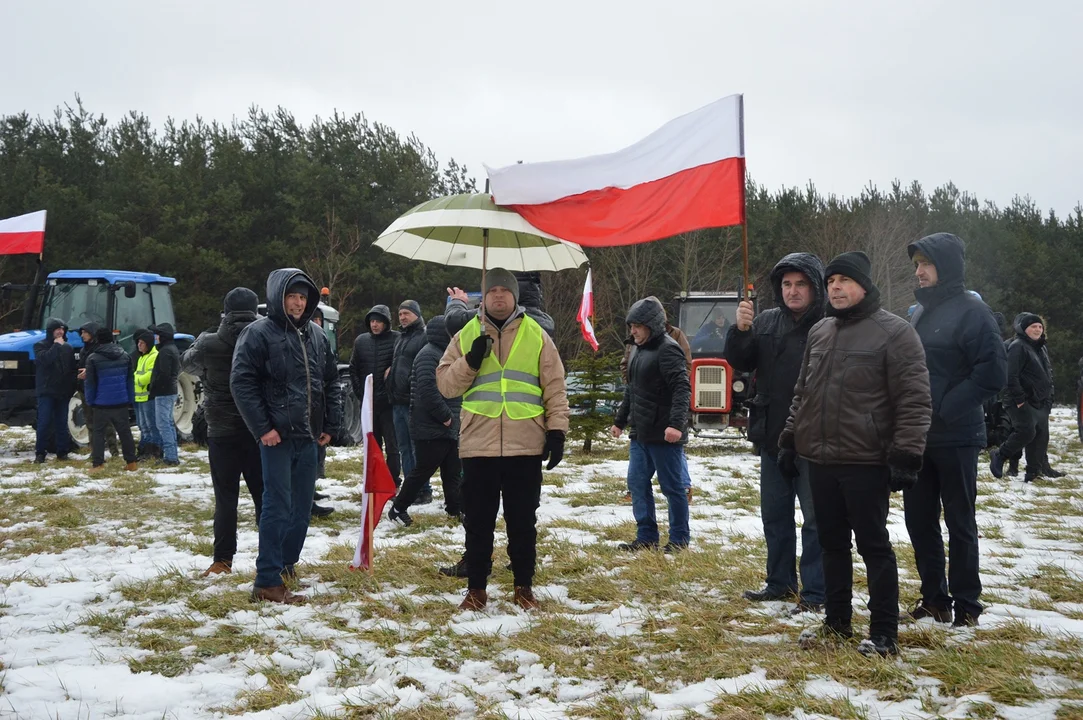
(377, 485)
(23, 234)
(687, 175)
(586, 312)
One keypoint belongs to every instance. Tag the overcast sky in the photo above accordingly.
(986, 94)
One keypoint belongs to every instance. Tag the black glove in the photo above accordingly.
(903, 468)
(554, 448)
(787, 463)
(478, 350)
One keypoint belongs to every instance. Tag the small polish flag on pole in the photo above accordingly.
(23, 234)
(376, 483)
(586, 313)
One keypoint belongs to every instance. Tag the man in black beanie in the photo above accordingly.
(859, 416)
(409, 343)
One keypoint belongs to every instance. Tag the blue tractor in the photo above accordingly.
(119, 299)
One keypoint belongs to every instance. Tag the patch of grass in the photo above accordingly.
(167, 664)
(115, 621)
(170, 586)
(1056, 582)
(769, 703)
(220, 605)
(1000, 669)
(278, 691)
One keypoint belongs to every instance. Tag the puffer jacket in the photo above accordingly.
(1030, 373)
(774, 348)
(284, 376)
(658, 392)
(862, 397)
(54, 364)
(429, 410)
(110, 382)
(480, 436)
(409, 343)
(372, 355)
(963, 348)
(673, 331)
(211, 358)
(88, 347)
(163, 379)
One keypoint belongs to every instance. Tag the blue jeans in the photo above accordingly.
(289, 479)
(401, 413)
(52, 424)
(780, 531)
(163, 420)
(665, 458)
(148, 428)
(686, 478)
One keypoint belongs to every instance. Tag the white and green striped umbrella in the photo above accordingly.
(472, 231)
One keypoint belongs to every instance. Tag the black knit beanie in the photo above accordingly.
(854, 265)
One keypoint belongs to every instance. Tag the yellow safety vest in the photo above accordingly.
(514, 388)
(143, 369)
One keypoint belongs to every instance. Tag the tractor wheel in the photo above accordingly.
(77, 428)
(199, 427)
(185, 408)
(351, 413)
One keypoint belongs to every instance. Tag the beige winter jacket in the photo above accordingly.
(480, 436)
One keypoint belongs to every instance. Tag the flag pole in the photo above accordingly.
(371, 520)
(749, 289)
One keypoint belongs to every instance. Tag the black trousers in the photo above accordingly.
(854, 498)
(430, 456)
(485, 481)
(116, 419)
(1030, 432)
(230, 457)
(948, 478)
(88, 418)
(383, 429)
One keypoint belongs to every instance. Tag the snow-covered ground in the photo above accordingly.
(103, 612)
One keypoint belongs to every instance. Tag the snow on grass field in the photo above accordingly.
(103, 612)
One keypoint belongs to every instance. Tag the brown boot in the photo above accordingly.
(218, 567)
(131, 467)
(95, 469)
(277, 594)
(474, 600)
(524, 598)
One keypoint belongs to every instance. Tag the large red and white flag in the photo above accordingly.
(687, 175)
(586, 313)
(377, 485)
(23, 234)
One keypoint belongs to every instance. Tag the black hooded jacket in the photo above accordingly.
(429, 410)
(163, 379)
(211, 358)
(774, 348)
(1030, 373)
(88, 347)
(963, 348)
(407, 345)
(372, 354)
(284, 375)
(54, 364)
(658, 393)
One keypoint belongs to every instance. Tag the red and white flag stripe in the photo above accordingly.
(687, 175)
(23, 234)
(377, 485)
(586, 313)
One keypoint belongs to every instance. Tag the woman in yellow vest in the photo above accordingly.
(514, 417)
(150, 442)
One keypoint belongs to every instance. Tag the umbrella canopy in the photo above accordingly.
(454, 230)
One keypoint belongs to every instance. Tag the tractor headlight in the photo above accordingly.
(738, 386)
(9, 364)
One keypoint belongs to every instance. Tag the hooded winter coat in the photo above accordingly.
(110, 381)
(774, 347)
(409, 343)
(372, 355)
(211, 358)
(163, 380)
(963, 348)
(429, 410)
(658, 393)
(1030, 373)
(88, 347)
(54, 364)
(284, 375)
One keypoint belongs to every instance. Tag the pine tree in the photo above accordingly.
(593, 395)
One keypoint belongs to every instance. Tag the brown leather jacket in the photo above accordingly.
(862, 396)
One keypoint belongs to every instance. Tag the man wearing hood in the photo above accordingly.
(859, 416)
(514, 418)
(967, 366)
(163, 392)
(772, 345)
(150, 442)
(231, 449)
(656, 404)
(284, 380)
(372, 355)
(434, 427)
(1029, 398)
(89, 334)
(54, 385)
(110, 390)
(409, 343)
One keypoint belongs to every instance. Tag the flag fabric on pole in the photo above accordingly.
(687, 175)
(23, 234)
(377, 485)
(586, 313)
